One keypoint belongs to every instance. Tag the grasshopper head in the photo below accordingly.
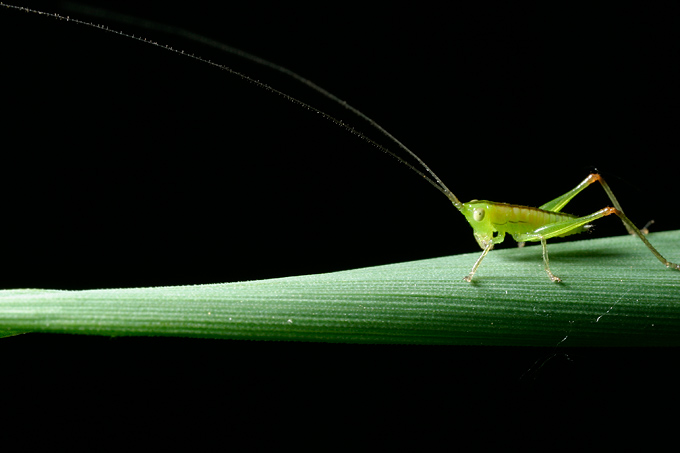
(476, 212)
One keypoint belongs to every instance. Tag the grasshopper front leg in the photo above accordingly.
(468, 277)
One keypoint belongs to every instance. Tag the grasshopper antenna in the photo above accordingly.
(433, 179)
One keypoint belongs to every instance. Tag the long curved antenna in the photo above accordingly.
(433, 179)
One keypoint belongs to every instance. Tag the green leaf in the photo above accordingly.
(614, 292)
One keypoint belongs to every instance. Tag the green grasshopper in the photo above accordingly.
(490, 221)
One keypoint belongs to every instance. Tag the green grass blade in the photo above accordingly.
(614, 293)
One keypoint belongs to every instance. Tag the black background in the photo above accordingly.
(127, 165)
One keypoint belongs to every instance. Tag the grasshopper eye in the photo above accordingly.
(478, 214)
